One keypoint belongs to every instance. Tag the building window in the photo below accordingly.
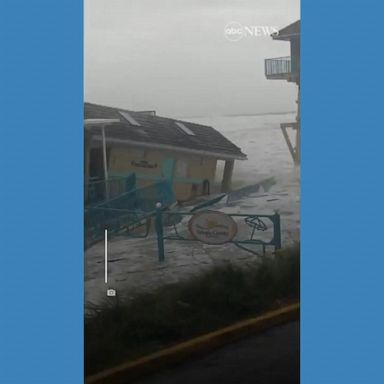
(181, 168)
(129, 118)
(185, 129)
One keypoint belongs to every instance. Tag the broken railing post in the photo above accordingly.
(159, 232)
(277, 230)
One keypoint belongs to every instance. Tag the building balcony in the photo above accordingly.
(279, 68)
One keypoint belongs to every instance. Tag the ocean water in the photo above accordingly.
(261, 139)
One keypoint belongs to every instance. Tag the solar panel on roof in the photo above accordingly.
(129, 118)
(185, 129)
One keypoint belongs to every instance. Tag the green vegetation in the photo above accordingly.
(180, 311)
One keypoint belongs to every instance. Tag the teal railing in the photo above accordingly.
(100, 190)
(126, 212)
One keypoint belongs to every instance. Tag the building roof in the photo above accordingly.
(289, 32)
(145, 129)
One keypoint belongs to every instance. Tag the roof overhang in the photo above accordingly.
(88, 123)
(198, 152)
(290, 32)
(287, 37)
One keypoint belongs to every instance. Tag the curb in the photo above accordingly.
(124, 373)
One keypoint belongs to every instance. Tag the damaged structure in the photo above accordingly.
(120, 142)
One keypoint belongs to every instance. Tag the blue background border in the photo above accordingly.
(41, 221)
(342, 287)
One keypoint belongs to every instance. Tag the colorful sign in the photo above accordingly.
(212, 227)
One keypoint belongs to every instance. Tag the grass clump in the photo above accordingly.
(180, 311)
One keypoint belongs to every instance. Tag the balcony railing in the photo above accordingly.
(98, 190)
(278, 68)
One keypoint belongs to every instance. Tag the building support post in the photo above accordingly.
(298, 129)
(297, 147)
(159, 232)
(283, 127)
(227, 176)
(87, 161)
(105, 164)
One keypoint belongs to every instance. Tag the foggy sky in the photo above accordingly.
(172, 56)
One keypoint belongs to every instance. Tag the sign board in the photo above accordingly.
(212, 227)
(143, 164)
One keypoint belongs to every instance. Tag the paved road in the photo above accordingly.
(270, 358)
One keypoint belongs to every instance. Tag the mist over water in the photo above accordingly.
(260, 138)
(173, 56)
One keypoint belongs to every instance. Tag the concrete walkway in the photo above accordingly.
(133, 263)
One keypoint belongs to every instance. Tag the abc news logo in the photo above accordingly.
(235, 31)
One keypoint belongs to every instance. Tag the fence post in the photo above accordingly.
(277, 230)
(159, 232)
